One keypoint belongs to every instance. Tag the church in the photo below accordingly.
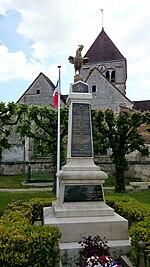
(105, 73)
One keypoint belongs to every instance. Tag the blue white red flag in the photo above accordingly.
(55, 95)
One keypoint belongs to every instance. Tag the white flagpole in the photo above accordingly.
(58, 133)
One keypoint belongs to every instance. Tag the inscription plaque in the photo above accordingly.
(77, 193)
(81, 143)
(80, 88)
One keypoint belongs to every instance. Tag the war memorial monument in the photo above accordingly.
(80, 209)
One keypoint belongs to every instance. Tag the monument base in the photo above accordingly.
(107, 224)
(113, 227)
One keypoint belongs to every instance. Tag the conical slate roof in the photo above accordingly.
(103, 49)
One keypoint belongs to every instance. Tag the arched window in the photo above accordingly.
(107, 75)
(93, 88)
(113, 76)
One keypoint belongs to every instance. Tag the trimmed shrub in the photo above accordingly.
(131, 209)
(32, 208)
(21, 242)
(138, 216)
(140, 231)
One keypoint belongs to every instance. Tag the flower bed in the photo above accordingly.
(101, 261)
(95, 253)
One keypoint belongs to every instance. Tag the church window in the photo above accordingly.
(38, 91)
(107, 75)
(93, 88)
(113, 76)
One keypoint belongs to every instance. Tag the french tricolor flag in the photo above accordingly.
(55, 95)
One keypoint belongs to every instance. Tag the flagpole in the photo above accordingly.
(58, 133)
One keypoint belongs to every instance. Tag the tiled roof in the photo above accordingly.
(143, 105)
(103, 49)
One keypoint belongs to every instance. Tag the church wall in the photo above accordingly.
(16, 151)
(106, 96)
(118, 66)
(39, 93)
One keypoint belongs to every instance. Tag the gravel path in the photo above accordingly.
(25, 189)
(42, 189)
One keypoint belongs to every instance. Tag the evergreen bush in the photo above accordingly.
(23, 243)
(138, 215)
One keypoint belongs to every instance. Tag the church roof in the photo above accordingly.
(103, 49)
(142, 105)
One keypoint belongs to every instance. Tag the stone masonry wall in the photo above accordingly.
(39, 93)
(106, 96)
(118, 66)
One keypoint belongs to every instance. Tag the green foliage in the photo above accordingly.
(7, 119)
(128, 207)
(32, 209)
(40, 123)
(140, 232)
(23, 243)
(138, 215)
(121, 134)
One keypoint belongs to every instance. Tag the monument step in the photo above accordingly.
(69, 252)
(74, 228)
(82, 209)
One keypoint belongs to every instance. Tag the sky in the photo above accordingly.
(38, 36)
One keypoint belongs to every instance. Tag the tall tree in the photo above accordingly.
(40, 123)
(7, 119)
(121, 134)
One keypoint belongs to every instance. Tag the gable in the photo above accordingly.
(106, 96)
(40, 92)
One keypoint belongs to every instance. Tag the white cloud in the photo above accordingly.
(57, 27)
(15, 65)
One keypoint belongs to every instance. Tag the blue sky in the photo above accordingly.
(37, 36)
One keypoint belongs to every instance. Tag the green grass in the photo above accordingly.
(142, 196)
(15, 181)
(9, 197)
(111, 181)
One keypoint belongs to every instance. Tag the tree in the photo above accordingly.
(40, 123)
(121, 134)
(7, 120)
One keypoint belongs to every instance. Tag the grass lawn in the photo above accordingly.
(14, 181)
(111, 181)
(142, 196)
(8, 197)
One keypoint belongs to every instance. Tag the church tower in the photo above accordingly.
(106, 57)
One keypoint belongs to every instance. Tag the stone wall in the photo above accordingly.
(119, 67)
(138, 170)
(19, 168)
(40, 92)
(106, 96)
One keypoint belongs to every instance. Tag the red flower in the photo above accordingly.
(103, 259)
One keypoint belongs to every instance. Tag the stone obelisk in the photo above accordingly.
(80, 209)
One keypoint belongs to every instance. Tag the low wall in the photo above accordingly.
(138, 170)
(17, 168)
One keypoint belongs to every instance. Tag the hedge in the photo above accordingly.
(23, 243)
(138, 216)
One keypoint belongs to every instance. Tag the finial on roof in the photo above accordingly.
(102, 18)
